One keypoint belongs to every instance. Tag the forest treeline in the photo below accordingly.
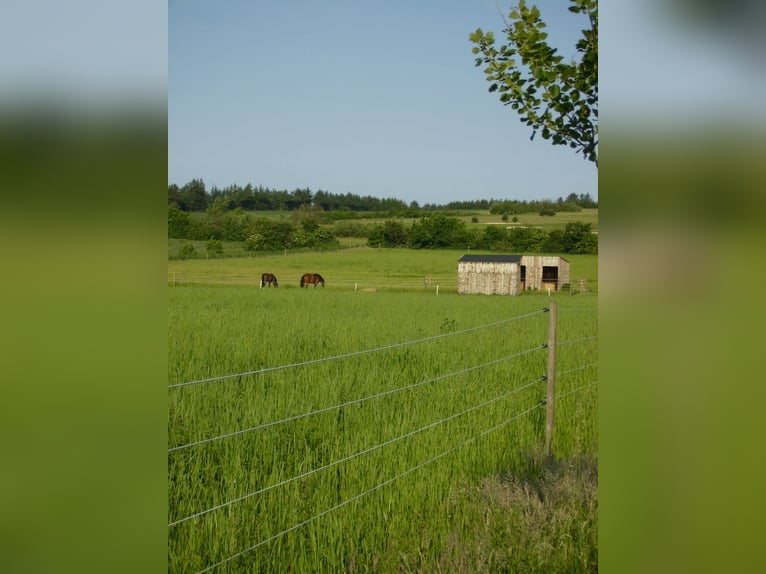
(193, 196)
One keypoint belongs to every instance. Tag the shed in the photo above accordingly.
(511, 274)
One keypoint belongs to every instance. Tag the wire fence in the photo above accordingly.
(300, 476)
(370, 490)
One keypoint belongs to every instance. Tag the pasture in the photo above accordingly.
(349, 428)
(349, 269)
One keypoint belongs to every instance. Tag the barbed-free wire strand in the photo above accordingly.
(559, 373)
(570, 341)
(561, 396)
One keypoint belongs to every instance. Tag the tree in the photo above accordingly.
(578, 238)
(560, 100)
(178, 223)
(254, 243)
(187, 251)
(192, 196)
(390, 234)
(438, 231)
(214, 248)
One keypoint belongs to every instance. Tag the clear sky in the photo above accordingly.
(347, 96)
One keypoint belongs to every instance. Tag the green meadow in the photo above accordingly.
(374, 425)
(354, 268)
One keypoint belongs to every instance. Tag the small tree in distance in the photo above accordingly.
(214, 248)
(253, 243)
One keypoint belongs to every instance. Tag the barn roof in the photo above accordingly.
(490, 259)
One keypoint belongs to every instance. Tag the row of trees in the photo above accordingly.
(430, 232)
(256, 233)
(440, 231)
(193, 196)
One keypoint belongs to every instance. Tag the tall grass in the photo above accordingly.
(409, 521)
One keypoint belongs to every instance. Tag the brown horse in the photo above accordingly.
(312, 279)
(269, 278)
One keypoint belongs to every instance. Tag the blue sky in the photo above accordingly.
(371, 98)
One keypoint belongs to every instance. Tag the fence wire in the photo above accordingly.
(561, 396)
(570, 341)
(559, 373)
(355, 455)
(366, 492)
(354, 402)
(386, 443)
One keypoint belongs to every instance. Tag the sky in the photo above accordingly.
(370, 98)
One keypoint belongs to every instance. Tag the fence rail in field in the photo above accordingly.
(180, 387)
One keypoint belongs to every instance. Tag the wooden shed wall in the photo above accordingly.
(488, 278)
(534, 271)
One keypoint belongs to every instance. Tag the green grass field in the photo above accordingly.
(350, 269)
(399, 477)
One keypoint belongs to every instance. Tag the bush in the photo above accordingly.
(178, 223)
(214, 248)
(351, 229)
(187, 251)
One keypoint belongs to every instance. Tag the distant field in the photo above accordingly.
(484, 218)
(557, 221)
(534, 220)
(348, 269)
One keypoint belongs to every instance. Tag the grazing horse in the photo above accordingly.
(312, 279)
(269, 278)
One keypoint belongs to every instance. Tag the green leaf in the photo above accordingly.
(555, 91)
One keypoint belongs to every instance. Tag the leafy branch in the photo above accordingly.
(560, 100)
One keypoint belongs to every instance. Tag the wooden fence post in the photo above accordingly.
(550, 400)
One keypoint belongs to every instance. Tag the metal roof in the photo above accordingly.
(490, 259)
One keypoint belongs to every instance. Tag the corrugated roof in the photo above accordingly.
(491, 258)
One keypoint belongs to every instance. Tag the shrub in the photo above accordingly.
(187, 251)
(214, 248)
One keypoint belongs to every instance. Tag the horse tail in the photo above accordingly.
(303, 280)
